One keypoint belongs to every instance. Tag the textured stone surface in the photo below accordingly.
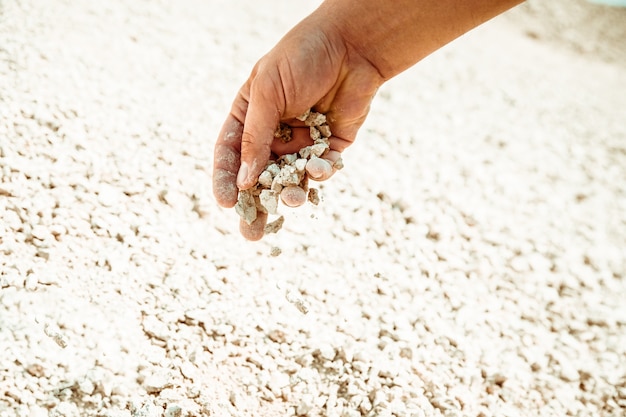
(468, 261)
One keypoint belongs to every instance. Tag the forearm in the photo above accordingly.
(395, 34)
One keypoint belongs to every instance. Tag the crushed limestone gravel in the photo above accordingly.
(469, 261)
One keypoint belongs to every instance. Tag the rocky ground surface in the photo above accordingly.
(470, 260)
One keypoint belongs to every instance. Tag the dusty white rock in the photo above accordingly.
(145, 409)
(361, 356)
(12, 220)
(65, 409)
(519, 264)
(54, 332)
(319, 149)
(108, 195)
(298, 301)
(314, 196)
(314, 133)
(86, 386)
(236, 400)
(305, 152)
(157, 382)
(173, 410)
(327, 351)
(300, 164)
(288, 159)
(306, 405)
(41, 232)
(288, 176)
(104, 383)
(155, 328)
(274, 226)
(269, 200)
(246, 206)
(37, 411)
(315, 119)
(324, 130)
(30, 283)
(277, 185)
(568, 372)
(266, 178)
(351, 412)
(273, 169)
(365, 406)
(189, 370)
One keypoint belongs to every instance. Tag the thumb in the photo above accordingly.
(261, 120)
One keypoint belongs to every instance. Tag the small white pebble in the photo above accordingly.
(288, 176)
(569, 373)
(314, 133)
(276, 185)
(265, 179)
(86, 386)
(305, 152)
(318, 149)
(307, 402)
(298, 302)
(273, 169)
(293, 196)
(246, 206)
(315, 119)
(289, 158)
(325, 130)
(318, 168)
(54, 332)
(300, 164)
(269, 200)
(173, 410)
(274, 226)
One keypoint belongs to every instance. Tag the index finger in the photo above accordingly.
(261, 120)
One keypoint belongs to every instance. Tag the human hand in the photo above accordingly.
(313, 66)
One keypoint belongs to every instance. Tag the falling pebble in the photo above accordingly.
(54, 332)
(298, 302)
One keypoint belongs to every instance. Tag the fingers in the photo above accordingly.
(255, 230)
(334, 158)
(261, 120)
(300, 137)
(226, 159)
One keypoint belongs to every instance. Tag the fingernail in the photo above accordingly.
(242, 175)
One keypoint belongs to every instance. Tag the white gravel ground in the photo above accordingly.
(470, 260)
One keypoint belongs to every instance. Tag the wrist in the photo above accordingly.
(395, 35)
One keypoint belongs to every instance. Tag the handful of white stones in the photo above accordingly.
(286, 177)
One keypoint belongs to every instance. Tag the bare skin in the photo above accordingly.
(333, 61)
